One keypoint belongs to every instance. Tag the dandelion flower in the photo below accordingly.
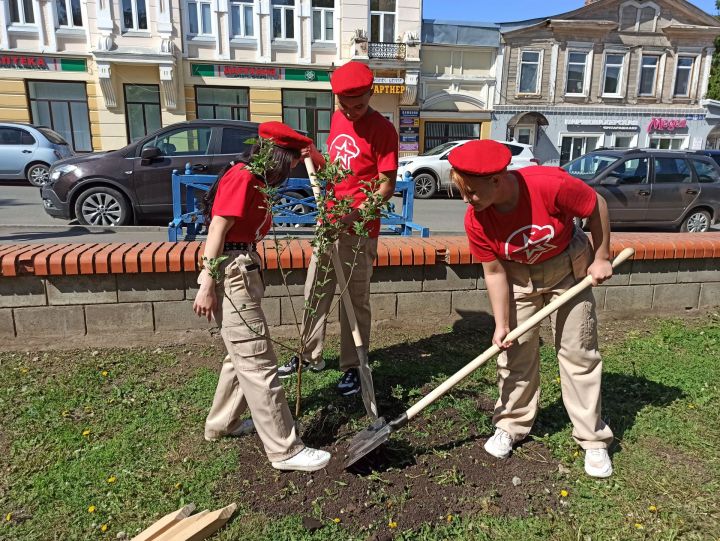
(8, 517)
(336, 520)
(104, 373)
(104, 528)
(392, 524)
(576, 454)
(564, 493)
(111, 479)
(178, 486)
(639, 526)
(86, 432)
(91, 509)
(23, 370)
(652, 509)
(557, 379)
(691, 406)
(449, 518)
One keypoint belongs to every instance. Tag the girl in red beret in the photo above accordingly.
(239, 214)
(520, 226)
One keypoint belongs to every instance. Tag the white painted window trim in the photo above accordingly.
(600, 137)
(533, 133)
(633, 136)
(587, 71)
(685, 138)
(382, 21)
(691, 78)
(198, 12)
(640, 73)
(640, 7)
(21, 12)
(538, 79)
(135, 27)
(323, 11)
(242, 4)
(621, 79)
(68, 10)
(283, 29)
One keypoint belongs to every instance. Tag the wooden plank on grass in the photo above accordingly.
(206, 526)
(164, 524)
(180, 527)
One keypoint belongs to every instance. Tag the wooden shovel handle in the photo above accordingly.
(516, 333)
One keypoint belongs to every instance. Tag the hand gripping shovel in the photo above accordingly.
(367, 388)
(379, 431)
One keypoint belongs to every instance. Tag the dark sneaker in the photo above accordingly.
(290, 368)
(350, 383)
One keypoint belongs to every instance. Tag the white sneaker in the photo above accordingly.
(308, 459)
(500, 444)
(245, 428)
(597, 463)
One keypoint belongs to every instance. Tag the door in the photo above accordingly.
(627, 190)
(17, 148)
(674, 189)
(152, 179)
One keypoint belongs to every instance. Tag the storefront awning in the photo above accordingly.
(528, 117)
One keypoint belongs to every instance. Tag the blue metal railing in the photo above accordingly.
(188, 189)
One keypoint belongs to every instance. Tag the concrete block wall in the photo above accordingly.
(50, 292)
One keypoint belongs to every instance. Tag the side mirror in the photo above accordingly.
(611, 180)
(148, 154)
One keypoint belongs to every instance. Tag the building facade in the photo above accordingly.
(614, 73)
(457, 81)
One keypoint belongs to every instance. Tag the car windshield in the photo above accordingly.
(52, 136)
(438, 149)
(587, 167)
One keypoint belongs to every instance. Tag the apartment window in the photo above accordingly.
(648, 75)
(382, 21)
(668, 142)
(225, 103)
(200, 18)
(524, 135)
(682, 75)
(529, 72)
(134, 15)
(21, 12)
(62, 107)
(283, 19)
(69, 13)
(323, 18)
(624, 141)
(612, 79)
(437, 133)
(241, 18)
(577, 64)
(310, 112)
(142, 110)
(575, 146)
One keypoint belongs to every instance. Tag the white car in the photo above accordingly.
(431, 170)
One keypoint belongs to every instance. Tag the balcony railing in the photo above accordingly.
(392, 51)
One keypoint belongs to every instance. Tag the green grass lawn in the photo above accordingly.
(98, 442)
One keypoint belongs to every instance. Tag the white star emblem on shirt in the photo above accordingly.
(344, 149)
(532, 248)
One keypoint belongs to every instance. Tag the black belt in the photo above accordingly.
(240, 246)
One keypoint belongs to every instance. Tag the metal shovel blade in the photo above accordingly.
(366, 383)
(371, 438)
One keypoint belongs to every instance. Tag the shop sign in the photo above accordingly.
(42, 63)
(665, 124)
(389, 89)
(389, 81)
(409, 130)
(267, 73)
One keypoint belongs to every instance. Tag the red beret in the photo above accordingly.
(353, 79)
(480, 158)
(283, 135)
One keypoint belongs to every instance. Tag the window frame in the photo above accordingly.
(685, 145)
(135, 17)
(538, 75)
(621, 75)
(694, 160)
(586, 71)
(382, 15)
(242, 4)
(171, 133)
(143, 103)
(283, 19)
(199, 18)
(69, 13)
(22, 16)
(690, 74)
(600, 142)
(215, 105)
(658, 59)
(323, 14)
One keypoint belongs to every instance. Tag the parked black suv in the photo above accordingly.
(133, 184)
(658, 188)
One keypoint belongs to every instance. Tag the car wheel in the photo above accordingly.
(38, 174)
(698, 221)
(102, 206)
(425, 186)
(297, 208)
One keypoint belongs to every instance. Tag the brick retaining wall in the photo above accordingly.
(119, 291)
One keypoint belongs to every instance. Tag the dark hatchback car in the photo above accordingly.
(654, 188)
(133, 184)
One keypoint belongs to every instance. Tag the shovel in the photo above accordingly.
(379, 431)
(366, 382)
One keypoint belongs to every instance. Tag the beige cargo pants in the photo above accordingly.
(319, 293)
(248, 377)
(574, 329)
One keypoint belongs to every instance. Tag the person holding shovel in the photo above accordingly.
(239, 214)
(366, 143)
(520, 226)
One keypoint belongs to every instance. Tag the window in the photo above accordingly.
(577, 62)
(668, 142)
(682, 75)
(225, 103)
(283, 19)
(63, 108)
(134, 15)
(648, 75)
(382, 21)
(69, 13)
(628, 18)
(705, 171)
(636, 18)
(233, 140)
(632, 171)
(310, 112)
(646, 20)
(323, 20)
(529, 72)
(142, 110)
(437, 133)
(15, 136)
(525, 135)
(669, 170)
(575, 146)
(192, 142)
(589, 166)
(200, 18)
(241, 18)
(612, 79)
(624, 141)
(21, 12)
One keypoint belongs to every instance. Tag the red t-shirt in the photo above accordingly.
(540, 226)
(238, 195)
(368, 147)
